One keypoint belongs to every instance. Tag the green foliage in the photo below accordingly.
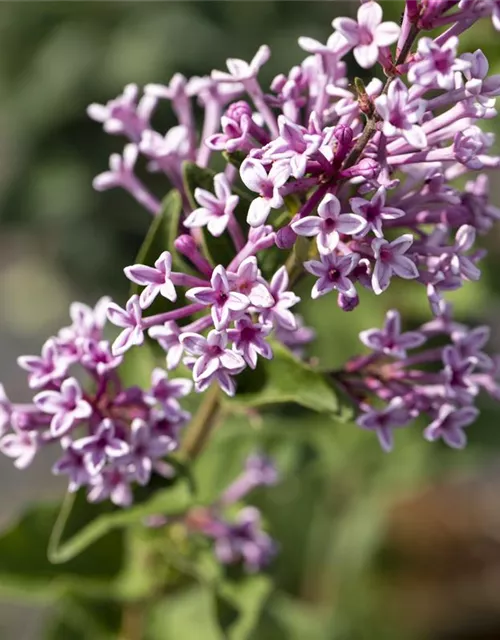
(79, 618)
(81, 524)
(239, 604)
(285, 379)
(160, 237)
(26, 570)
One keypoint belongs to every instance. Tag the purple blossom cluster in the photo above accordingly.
(440, 380)
(241, 540)
(355, 184)
(110, 435)
(370, 172)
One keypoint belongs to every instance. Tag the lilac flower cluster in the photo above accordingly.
(354, 184)
(111, 436)
(243, 539)
(393, 388)
(360, 167)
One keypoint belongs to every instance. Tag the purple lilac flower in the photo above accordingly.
(226, 305)
(212, 354)
(267, 185)
(329, 224)
(168, 337)
(437, 64)
(244, 541)
(249, 282)
(215, 211)
(384, 421)
(457, 373)
(283, 299)
(483, 88)
(145, 448)
(113, 484)
(241, 71)
(73, 465)
(166, 392)
(20, 445)
(368, 34)
(249, 340)
(156, 281)
(259, 471)
(333, 273)
(401, 114)
(449, 425)
(295, 143)
(390, 340)
(391, 259)
(469, 344)
(67, 406)
(101, 446)
(123, 115)
(130, 319)
(49, 367)
(98, 356)
(87, 322)
(95, 427)
(375, 212)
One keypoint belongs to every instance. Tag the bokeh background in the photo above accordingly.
(378, 546)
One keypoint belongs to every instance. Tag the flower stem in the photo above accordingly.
(202, 425)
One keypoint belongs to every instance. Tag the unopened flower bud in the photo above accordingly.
(239, 109)
(285, 237)
(366, 168)
(347, 303)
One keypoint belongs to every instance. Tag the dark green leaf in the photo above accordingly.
(235, 158)
(160, 237)
(138, 365)
(25, 568)
(84, 619)
(79, 524)
(285, 379)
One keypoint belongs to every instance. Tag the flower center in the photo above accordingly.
(385, 254)
(365, 36)
(372, 212)
(333, 274)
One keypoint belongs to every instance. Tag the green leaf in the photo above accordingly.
(84, 619)
(80, 524)
(160, 237)
(138, 365)
(26, 570)
(285, 379)
(239, 605)
(235, 158)
(219, 250)
(186, 614)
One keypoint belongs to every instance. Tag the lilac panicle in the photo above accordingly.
(241, 540)
(407, 388)
(111, 436)
(356, 184)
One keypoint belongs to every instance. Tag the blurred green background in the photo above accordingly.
(376, 546)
